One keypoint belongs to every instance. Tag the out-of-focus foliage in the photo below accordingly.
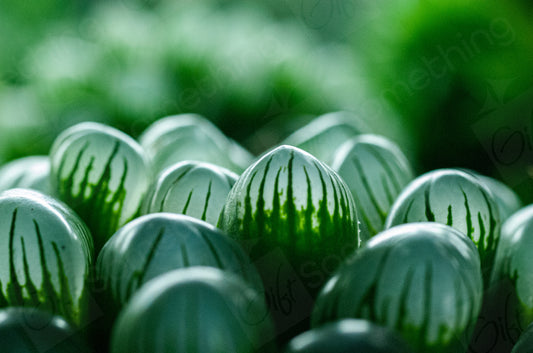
(128, 64)
(460, 74)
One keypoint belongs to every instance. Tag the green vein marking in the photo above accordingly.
(66, 185)
(260, 204)
(186, 206)
(120, 193)
(85, 181)
(137, 278)
(336, 226)
(91, 201)
(368, 298)
(385, 164)
(206, 202)
(247, 217)
(323, 212)
(424, 328)
(186, 169)
(3, 299)
(388, 192)
(30, 286)
(381, 213)
(276, 208)
(14, 289)
(290, 208)
(487, 251)
(407, 210)
(367, 221)
(449, 220)
(309, 210)
(216, 256)
(347, 221)
(458, 305)
(65, 302)
(185, 255)
(103, 182)
(430, 216)
(47, 287)
(403, 300)
(492, 239)
(469, 227)
(482, 231)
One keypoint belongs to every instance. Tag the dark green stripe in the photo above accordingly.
(407, 210)
(47, 287)
(66, 185)
(290, 208)
(85, 181)
(260, 204)
(118, 197)
(213, 249)
(65, 299)
(247, 217)
(31, 289)
(324, 218)
(184, 211)
(430, 216)
(138, 277)
(368, 304)
(449, 220)
(308, 212)
(388, 170)
(184, 255)
(387, 190)
(14, 289)
(367, 187)
(276, 207)
(336, 234)
(3, 299)
(206, 202)
(469, 227)
(428, 296)
(184, 171)
(403, 300)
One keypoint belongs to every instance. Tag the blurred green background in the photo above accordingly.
(450, 81)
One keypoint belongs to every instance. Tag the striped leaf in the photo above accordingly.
(194, 310)
(512, 277)
(102, 174)
(422, 279)
(348, 335)
(289, 200)
(182, 137)
(326, 133)
(507, 200)
(455, 198)
(45, 255)
(31, 330)
(32, 172)
(157, 243)
(193, 188)
(376, 171)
